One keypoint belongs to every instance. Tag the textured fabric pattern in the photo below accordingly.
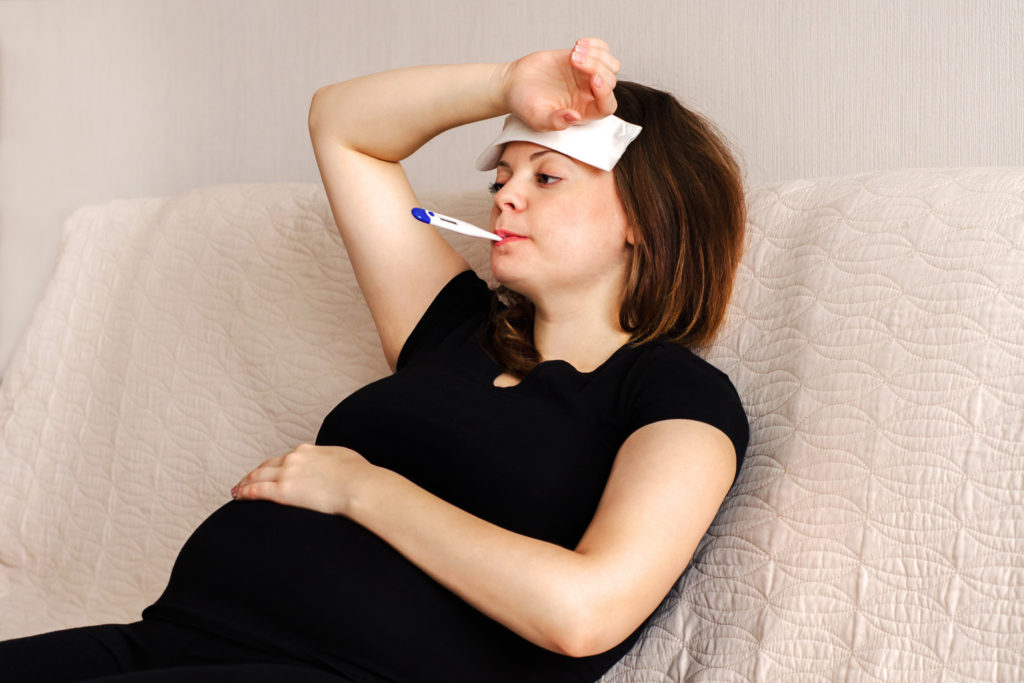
(877, 529)
(181, 342)
(875, 532)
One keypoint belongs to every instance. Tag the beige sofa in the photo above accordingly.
(876, 531)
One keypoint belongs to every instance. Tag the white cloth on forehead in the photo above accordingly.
(599, 143)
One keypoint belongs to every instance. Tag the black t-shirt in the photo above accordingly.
(532, 458)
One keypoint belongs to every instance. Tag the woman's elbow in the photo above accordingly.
(315, 107)
(576, 646)
(586, 632)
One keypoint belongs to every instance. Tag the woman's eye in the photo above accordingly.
(542, 179)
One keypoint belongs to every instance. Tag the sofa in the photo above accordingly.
(876, 336)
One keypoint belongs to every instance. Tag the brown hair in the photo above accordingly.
(682, 191)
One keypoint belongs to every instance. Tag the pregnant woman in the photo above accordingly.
(515, 500)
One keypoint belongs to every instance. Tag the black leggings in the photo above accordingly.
(150, 651)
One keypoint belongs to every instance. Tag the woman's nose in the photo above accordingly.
(508, 198)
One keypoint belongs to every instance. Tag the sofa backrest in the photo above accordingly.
(877, 529)
(875, 336)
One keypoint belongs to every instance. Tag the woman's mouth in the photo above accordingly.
(507, 237)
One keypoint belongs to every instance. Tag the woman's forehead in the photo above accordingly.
(522, 150)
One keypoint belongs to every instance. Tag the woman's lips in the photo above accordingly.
(507, 236)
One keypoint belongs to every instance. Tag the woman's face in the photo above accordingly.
(562, 225)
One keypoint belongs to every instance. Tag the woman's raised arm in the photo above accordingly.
(361, 129)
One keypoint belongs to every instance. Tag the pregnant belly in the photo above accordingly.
(322, 588)
(310, 581)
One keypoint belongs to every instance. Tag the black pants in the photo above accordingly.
(150, 651)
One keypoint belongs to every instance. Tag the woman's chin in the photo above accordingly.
(504, 272)
(512, 284)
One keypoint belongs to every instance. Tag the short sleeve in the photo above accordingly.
(674, 383)
(457, 310)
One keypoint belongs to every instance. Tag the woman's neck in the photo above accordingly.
(583, 338)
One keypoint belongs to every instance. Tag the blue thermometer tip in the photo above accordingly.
(421, 215)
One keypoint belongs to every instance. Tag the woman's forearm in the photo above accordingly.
(557, 598)
(667, 483)
(389, 115)
(543, 592)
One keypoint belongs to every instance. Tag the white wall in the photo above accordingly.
(101, 99)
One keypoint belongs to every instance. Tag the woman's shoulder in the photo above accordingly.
(668, 381)
(659, 357)
(455, 313)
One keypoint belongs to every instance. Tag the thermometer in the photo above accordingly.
(454, 224)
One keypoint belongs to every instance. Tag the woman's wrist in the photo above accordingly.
(501, 79)
(363, 491)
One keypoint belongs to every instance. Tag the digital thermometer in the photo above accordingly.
(454, 224)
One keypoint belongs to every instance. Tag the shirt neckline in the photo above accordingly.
(547, 365)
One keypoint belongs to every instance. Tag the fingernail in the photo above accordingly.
(577, 57)
(582, 45)
(234, 491)
(598, 81)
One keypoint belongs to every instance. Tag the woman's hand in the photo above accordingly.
(320, 478)
(554, 89)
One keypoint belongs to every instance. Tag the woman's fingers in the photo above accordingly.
(594, 51)
(263, 473)
(554, 89)
(257, 490)
(592, 57)
(268, 471)
(276, 461)
(594, 43)
(604, 95)
(562, 119)
(310, 476)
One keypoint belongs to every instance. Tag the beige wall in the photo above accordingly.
(102, 99)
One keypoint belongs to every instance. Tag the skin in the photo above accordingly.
(669, 477)
(573, 255)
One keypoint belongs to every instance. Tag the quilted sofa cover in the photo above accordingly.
(876, 335)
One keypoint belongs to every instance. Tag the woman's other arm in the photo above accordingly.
(667, 483)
